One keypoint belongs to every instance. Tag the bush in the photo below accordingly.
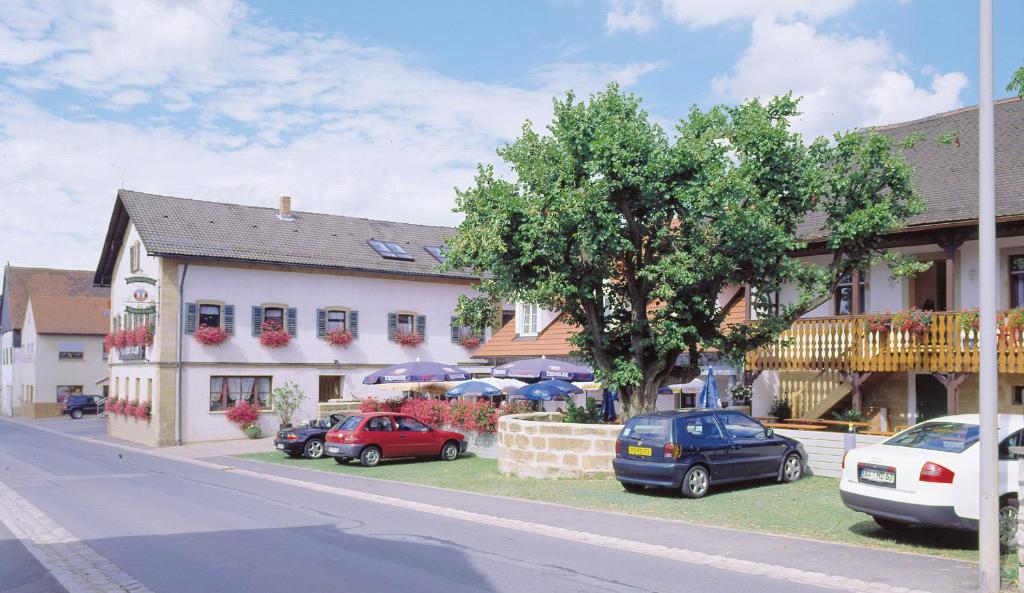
(588, 413)
(372, 404)
(781, 408)
(467, 415)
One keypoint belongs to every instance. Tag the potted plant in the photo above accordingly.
(273, 334)
(1012, 324)
(247, 417)
(408, 339)
(285, 400)
(210, 335)
(914, 322)
(880, 323)
(970, 320)
(339, 337)
(741, 394)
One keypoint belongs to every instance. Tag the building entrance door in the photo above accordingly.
(929, 288)
(931, 397)
(330, 387)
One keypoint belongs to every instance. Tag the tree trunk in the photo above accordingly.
(639, 399)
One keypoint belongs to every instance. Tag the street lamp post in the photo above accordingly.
(988, 537)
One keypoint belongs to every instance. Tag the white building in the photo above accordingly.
(61, 350)
(186, 266)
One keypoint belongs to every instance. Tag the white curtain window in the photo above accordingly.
(526, 319)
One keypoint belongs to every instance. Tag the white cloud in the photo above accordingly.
(636, 16)
(845, 82)
(708, 13)
(236, 110)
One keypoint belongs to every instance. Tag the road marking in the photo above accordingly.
(75, 565)
(773, 571)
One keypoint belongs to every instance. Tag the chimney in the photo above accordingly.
(284, 211)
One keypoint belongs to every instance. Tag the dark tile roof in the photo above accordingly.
(189, 228)
(946, 176)
(22, 283)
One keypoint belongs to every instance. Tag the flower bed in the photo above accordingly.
(273, 335)
(210, 336)
(339, 338)
(479, 416)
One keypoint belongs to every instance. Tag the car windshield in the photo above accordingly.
(648, 427)
(952, 437)
(349, 423)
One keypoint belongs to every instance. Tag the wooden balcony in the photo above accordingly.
(845, 344)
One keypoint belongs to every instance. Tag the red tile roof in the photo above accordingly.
(71, 315)
(553, 340)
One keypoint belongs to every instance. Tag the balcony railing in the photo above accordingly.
(846, 344)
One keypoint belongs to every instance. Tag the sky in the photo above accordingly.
(381, 109)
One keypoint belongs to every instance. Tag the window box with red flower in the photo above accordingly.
(914, 322)
(469, 341)
(143, 411)
(274, 335)
(408, 339)
(210, 336)
(129, 409)
(339, 337)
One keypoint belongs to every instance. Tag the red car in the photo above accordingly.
(373, 436)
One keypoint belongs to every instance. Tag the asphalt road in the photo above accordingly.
(178, 527)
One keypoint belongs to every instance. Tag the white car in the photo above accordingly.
(928, 475)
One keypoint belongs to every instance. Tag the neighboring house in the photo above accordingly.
(190, 268)
(832, 360)
(19, 285)
(62, 352)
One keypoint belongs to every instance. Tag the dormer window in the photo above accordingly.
(437, 251)
(526, 319)
(389, 250)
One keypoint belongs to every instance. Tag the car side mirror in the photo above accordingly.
(769, 432)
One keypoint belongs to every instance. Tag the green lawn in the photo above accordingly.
(809, 508)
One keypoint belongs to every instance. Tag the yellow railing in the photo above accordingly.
(846, 344)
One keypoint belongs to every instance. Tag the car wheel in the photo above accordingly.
(631, 487)
(696, 482)
(342, 460)
(449, 451)
(792, 468)
(76, 414)
(370, 457)
(888, 523)
(1008, 507)
(314, 449)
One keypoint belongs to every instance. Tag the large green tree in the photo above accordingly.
(634, 233)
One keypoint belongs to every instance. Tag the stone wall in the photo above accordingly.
(540, 445)
(145, 432)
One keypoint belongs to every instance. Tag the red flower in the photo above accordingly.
(339, 337)
(408, 339)
(120, 339)
(244, 414)
(143, 335)
(142, 411)
(210, 336)
(129, 409)
(469, 342)
(273, 335)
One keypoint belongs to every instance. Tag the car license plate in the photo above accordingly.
(332, 449)
(881, 476)
(280, 445)
(639, 451)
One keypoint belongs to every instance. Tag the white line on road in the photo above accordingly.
(75, 565)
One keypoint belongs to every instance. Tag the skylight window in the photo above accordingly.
(437, 252)
(389, 250)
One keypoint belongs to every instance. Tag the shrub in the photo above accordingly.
(430, 411)
(408, 339)
(372, 404)
(780, 408)
(285, 400)
(339, 337)
(273, 335)
(588, 413)
(210, 336)
(244, 415)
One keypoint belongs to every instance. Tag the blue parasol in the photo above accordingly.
(608, 405)
(546, 390)
(474, 389)
(708, 397)
(540, 369)
(416, 372)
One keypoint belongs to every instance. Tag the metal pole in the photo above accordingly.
(988, 537)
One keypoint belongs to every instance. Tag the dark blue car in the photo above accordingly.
(692, 449)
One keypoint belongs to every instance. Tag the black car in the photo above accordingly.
(692, 449)
(306, 441)
(77, 406)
